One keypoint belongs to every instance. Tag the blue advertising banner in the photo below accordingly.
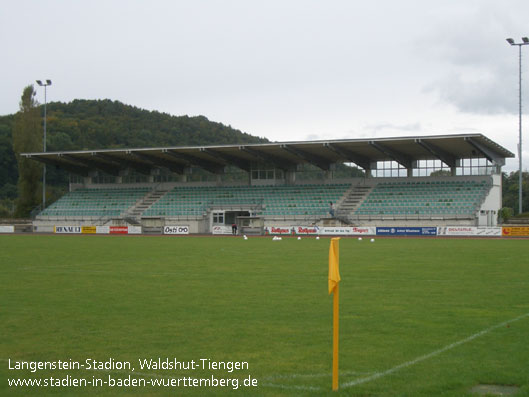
(406, 231)
(429, 231)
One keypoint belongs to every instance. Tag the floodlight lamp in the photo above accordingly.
(510, 41)
(525, 40)
(39, 82)
(48, 82)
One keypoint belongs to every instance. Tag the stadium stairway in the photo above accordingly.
(352, 200)
(133, 214)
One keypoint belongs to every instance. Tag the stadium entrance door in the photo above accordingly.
(231, 217)
(251, 225)
(222, 220)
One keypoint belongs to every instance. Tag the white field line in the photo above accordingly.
(266, 380)
(320, 375)
(378, 375)
(285, 387)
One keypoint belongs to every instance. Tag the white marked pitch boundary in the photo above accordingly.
(451, 346)
(291, 387)
(320, 375)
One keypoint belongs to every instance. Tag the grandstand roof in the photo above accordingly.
(285, 155)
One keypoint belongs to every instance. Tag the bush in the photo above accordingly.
(8, 191)
(505, 213)
(7, 208)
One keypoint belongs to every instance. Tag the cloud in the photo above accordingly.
(314, 137)
(477, 72)
(390, 128)
(471, 93)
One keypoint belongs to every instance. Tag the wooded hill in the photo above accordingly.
(106, 124)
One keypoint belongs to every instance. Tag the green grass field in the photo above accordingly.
(419, 317)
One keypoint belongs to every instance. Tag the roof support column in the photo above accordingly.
(290, 177)
(89, 179)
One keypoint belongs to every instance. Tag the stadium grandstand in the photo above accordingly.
(430, 180)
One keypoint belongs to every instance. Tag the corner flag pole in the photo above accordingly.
(334, 279)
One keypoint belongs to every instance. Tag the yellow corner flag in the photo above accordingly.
(334, 264)
(334, 279)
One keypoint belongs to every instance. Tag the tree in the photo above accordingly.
(27, 137)
(441, 173)
(511, 190)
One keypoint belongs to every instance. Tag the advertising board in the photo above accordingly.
(284, 230)
(97, 229)
(7, 229)
(347, 231)
(306, 230)
(176, 230)
(456, 230)
(516, 231)
(468, 231)
(119, 230)
(68, 229)
(134, 229)
(407, 231)
(488, 231)
(102, 229)
(221, 229)
(322, 231)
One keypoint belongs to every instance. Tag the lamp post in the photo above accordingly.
(45, 85)
(525, 41)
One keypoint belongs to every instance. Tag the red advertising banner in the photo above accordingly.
(119, 230)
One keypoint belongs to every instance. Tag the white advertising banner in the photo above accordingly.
(322, 231)
(68, 229)
(348, 231)
(284, 230)
(292, 230)
(488, 231)
(176, 230)
(7, 229)
(456, 231)
(134, 229)
(102, 229)
(304, 230)
(220, 229)
(468, 231)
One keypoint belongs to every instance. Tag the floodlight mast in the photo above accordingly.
(525, 41)
(45, 85)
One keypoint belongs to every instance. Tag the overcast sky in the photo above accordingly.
(284, 70)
